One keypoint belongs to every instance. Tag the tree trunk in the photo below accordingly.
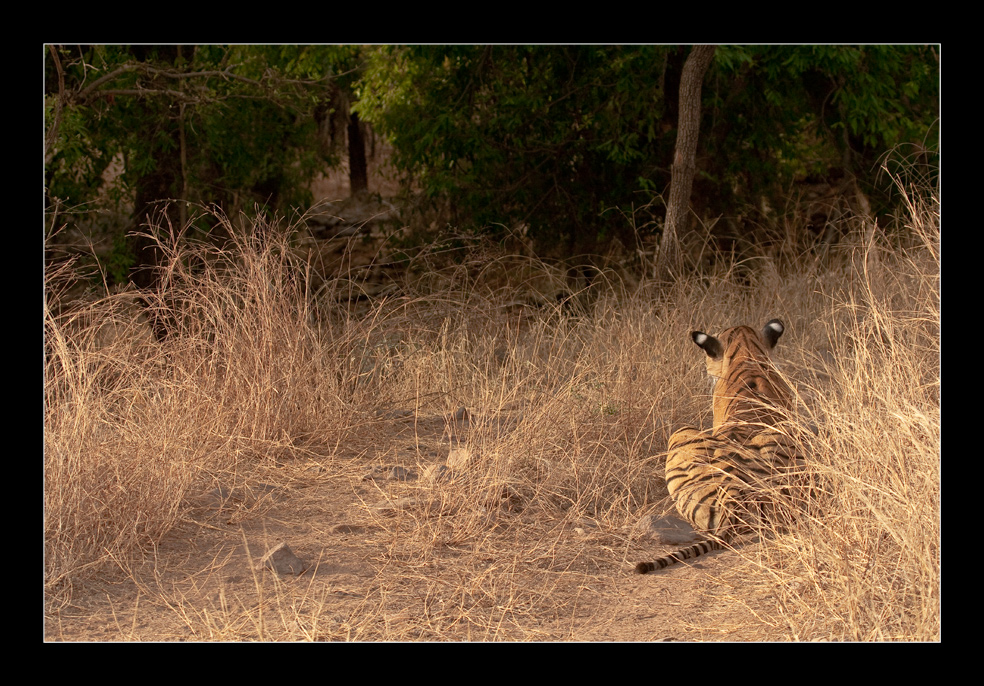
(157, 188)
(153, 208)
(669, 262)
(358, 171)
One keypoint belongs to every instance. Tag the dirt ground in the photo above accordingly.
(400, 572)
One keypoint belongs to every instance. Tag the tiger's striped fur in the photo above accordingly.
(733, 479)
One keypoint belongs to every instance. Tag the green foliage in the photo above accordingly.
(553, 136)
(566, 140)
(206, 124)
(781, 114)
(547, 136)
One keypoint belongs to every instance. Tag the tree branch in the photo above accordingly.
(269, 83)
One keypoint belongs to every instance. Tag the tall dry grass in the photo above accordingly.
(234, 375)
(570, 411)
(868, 566)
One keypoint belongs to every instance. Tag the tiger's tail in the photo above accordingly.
(695, 550)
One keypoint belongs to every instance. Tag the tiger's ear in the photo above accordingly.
(772, 331)
(709, 344)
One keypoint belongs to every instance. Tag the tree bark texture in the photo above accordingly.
(669, 260)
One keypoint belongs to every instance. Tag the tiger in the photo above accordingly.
(734, 478)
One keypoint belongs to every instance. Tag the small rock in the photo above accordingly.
(283, 561)
(668, 530)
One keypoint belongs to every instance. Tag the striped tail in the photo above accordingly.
(695, 550)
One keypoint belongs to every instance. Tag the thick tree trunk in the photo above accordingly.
(669, 262)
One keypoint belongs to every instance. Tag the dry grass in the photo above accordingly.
(868, 568)
(257, 379)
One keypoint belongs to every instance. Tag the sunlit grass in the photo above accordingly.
(570, 410)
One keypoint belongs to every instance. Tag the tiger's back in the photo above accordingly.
(733, 479)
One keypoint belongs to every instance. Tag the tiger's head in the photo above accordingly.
(739, 361)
